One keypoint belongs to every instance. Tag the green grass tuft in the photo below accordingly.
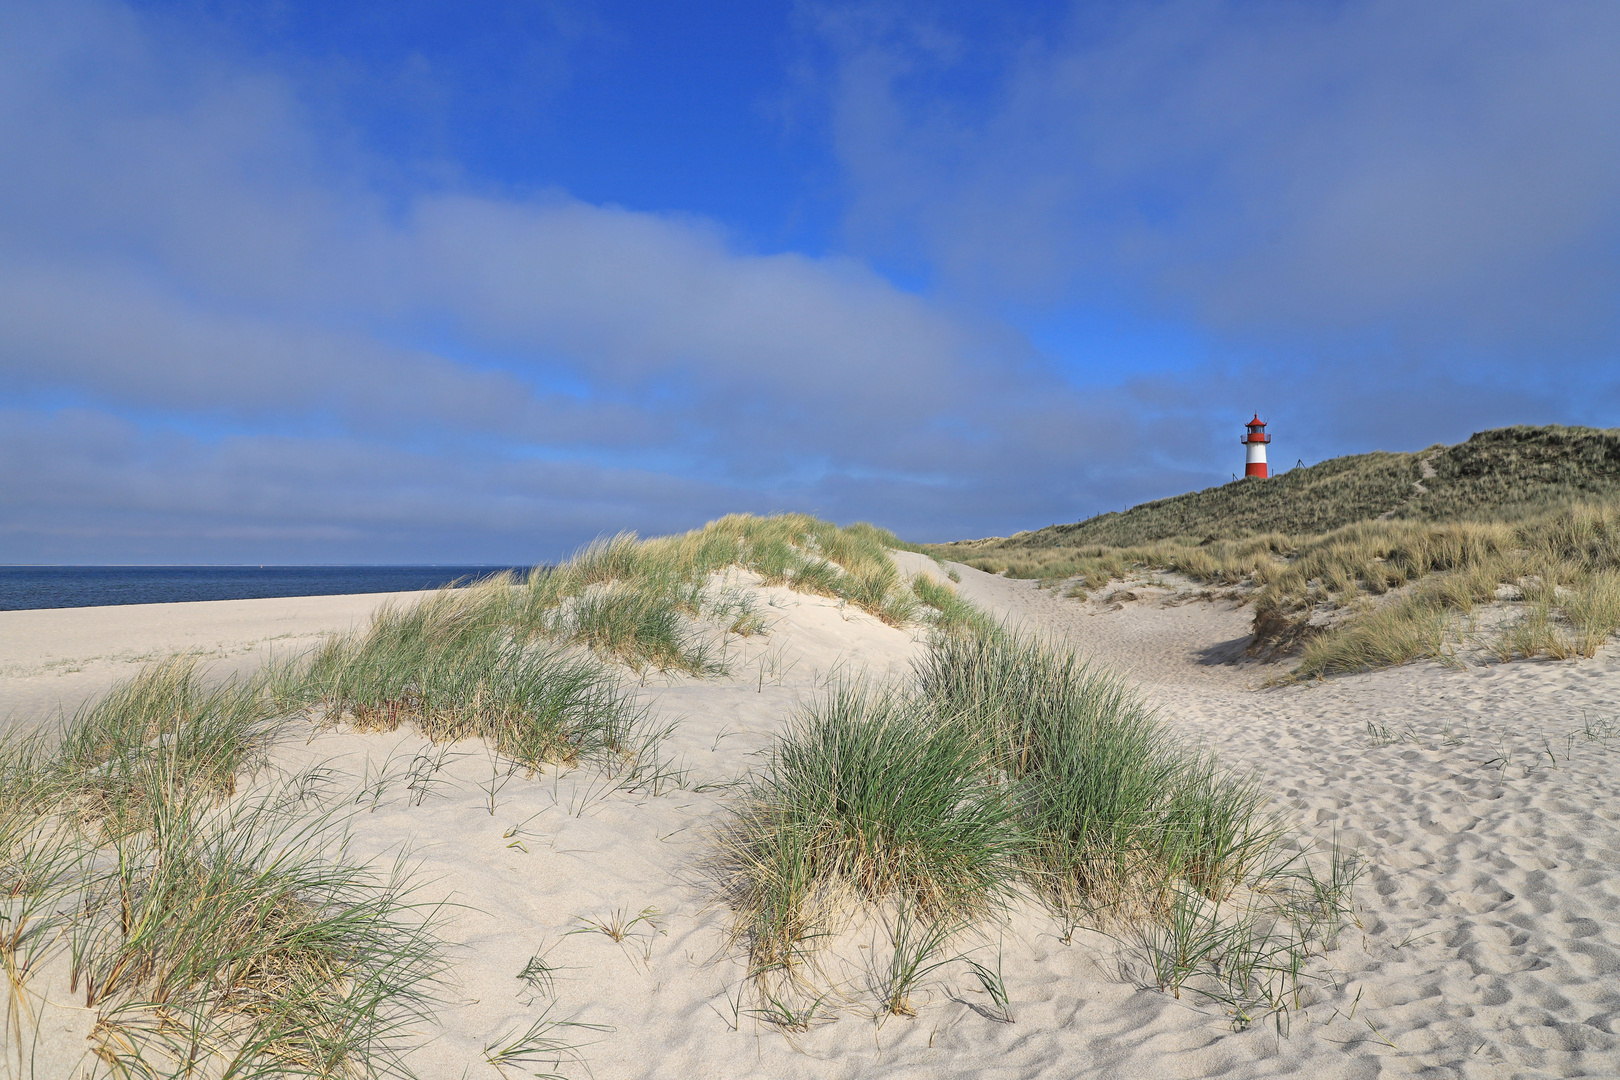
(1112, 811)
(1003, 769)
(168, 724)
(452, 671)
(868, 793)
(210, 936)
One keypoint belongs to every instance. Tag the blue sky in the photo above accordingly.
(390, 282)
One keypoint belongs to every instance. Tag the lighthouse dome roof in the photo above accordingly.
(1256, 422)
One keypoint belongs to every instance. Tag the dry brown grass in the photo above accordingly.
(1441, 530)
(1422, 579)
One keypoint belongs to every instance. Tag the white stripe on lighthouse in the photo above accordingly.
(1257, 453)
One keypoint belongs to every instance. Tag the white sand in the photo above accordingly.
(1491, 913)
(56, 658)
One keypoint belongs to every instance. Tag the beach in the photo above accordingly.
(1483, 803)
(54, 659)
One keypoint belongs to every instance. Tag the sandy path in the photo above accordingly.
(1486, 801)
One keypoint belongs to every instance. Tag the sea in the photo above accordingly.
(28, 587)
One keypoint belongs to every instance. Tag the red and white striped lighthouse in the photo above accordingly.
(1256, 440)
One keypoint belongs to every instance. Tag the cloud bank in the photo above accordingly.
(1445, 166)
(229, 332)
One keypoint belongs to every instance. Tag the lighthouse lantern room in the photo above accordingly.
(1256, 441)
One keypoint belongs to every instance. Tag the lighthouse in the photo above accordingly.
(1255, 440)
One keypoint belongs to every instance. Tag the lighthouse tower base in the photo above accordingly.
(1256, 461)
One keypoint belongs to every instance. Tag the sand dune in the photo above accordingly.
(1486, 803)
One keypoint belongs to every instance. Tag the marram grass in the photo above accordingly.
(1004, 768)
(212, 936)
(1111, 809)
(868, 794)
(242, 944)
(642, 602)
(795, 550)
(512, 662)
(168, 724)
(451, 669)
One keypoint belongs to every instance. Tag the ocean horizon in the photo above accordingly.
(26, 587)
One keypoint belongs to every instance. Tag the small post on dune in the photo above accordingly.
(1256, 440)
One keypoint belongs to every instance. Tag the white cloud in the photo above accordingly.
(176, 198)
(182, 250)
(1446, 168)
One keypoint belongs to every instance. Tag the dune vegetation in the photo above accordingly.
(210, 935)
(1526, 516)
(1407, 590)
(205, 908)
(215, 924)
(1007, 770)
